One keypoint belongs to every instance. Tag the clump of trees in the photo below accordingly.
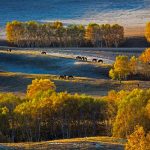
(126, 109)
(129, 111)
(45, 114)
(132, 110)
(34, 34)
(106, 34)
(123, 67)
(133, 68)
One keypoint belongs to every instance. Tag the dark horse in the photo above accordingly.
(84, 58)
(79, 58)
(100, 61)
(94, 60)
(43, 52)
(70, 77)
(66, 77)
(9, 50)
(62, 77)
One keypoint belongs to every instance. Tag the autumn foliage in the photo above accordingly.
(105, 34)
(145, 56)
(123, 67)
(38, 86)
(135, 68)
(138, 140)
(34, 34)
(45, 114)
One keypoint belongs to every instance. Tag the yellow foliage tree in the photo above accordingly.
(14, 32)
(38, 86)
(138, 140)
(145, 56)
(121, 68)
(133, 64)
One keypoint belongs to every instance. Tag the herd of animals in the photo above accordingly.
(83, 58)
(80, 58)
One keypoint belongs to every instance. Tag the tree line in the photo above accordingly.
(44, 114)
(55, 34)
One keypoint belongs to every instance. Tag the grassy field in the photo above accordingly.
(17, 83)
(88, 143)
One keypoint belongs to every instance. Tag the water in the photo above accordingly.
(135, 12)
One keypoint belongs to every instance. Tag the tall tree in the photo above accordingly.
(121, 68)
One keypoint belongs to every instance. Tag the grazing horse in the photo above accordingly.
(84, 58)
(62, 77)
(94, 60)
(43, 52)
(9, 50)
(100, 61)
(70, 77)
(79, 58)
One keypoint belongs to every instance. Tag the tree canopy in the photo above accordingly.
(34, 34)
(44, 114)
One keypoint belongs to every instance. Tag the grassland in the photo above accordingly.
(17, 83)
(87, 143)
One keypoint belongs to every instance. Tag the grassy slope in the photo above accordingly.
(91, 143)
(17, 83)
